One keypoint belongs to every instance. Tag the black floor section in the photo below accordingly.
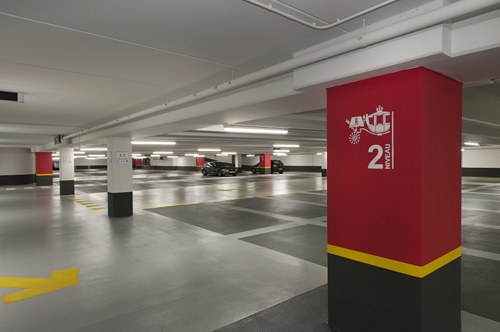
(217, 218)
(308, 198)
(281, 206)
(306, 242)
(304, 313)
(480, 287)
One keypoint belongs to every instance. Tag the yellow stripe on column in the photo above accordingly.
(396, 266)
(44, 174)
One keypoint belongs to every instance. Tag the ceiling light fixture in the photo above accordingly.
(97, 155)
(471, 143)
(55, 158)
(229, 152)
(279, 154)
(463, 150)
(255, 131)
(222, 155)
(319, 154)
(173, 157)
(93, 149)
(163, 152)
(79, 152)
(280, 150)
(155, 155)
(209, 150)
(153, 143)
(250, 155)
(286, 146)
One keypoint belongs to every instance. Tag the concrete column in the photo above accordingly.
(66, 171)
(394, 203)
(265, 163)
(44, 172)
(324, 164)
(17, 166)
(119, 177)
(237, 163)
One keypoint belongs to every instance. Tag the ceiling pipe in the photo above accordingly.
(416, 23)
(313, 25)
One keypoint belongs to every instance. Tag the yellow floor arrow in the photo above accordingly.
(237, 189)
(38, 286)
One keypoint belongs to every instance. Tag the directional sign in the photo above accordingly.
(38, 286)
(237, 189)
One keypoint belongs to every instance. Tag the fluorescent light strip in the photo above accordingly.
(209, 150)
(78, 152)
(155, 155)
(250, 155)
(55, 158)
(319, 154)
(471, 143)
(93, 149)
(163, 152)
(286, 146)
(229, 152)
(255, 131)
(279, 154)
(97, 155)
(281, 151)
(154, 143)
(172, 157)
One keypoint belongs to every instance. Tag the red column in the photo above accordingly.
(44, 168)
(265, 163)
(394, 203)
(200, 161)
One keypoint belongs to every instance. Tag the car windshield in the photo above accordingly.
(277, 162)
(223, 165)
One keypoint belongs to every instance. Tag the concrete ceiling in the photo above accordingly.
(85, 63)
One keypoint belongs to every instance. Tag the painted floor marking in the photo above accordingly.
(480, 253)
(229, 199)
(38, 286)
(294, 200)
(292, 192)
(28, 187)
(11, 188)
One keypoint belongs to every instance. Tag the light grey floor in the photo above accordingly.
(150, 272)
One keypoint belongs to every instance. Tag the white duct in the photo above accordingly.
(416, 23)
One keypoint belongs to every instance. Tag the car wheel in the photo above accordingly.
(281, 172)
(235, 174)
(219, 173)
(204, 172)
(254, 171)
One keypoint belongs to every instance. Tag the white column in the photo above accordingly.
(119, 176)
(237, 163)
(323, 164)
(66, 171)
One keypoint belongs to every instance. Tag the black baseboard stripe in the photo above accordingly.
(67, 187)
(120, 204)
(12, 180)
(481, 172)
(44, 179)
(373, 294)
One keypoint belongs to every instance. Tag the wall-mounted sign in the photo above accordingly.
(122, 157)
(67, 159)
(110, 157)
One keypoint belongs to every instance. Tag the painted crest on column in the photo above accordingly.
(377, 124)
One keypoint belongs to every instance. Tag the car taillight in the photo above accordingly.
(274, 165)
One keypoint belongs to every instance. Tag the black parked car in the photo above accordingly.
(219, 168)
(276, 166)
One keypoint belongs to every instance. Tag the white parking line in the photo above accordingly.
(28, 187)
(11, 189)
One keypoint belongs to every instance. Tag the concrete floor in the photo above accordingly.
(202, 254)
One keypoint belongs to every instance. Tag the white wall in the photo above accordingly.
(16, 161)
(481, 158)
(181, 161)
(90, 162)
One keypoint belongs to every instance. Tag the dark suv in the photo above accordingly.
(218, 168)
(276, 166)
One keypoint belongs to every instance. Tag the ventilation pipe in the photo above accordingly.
(416, 23)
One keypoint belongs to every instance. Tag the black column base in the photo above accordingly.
(44, 180)
(67, 187)
(323, 172)
(366, 298)
(120, 204)
(17, 179)
(265, 170)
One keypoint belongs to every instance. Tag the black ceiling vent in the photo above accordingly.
(12, 96)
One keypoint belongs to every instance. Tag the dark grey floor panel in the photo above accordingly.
(481, 238)
(481, 204)
(281, 206)
(217, 218)
(307, 242)
(476, 196)
(304, 313)
(481, 286)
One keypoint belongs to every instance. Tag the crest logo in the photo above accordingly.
(377, 124)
